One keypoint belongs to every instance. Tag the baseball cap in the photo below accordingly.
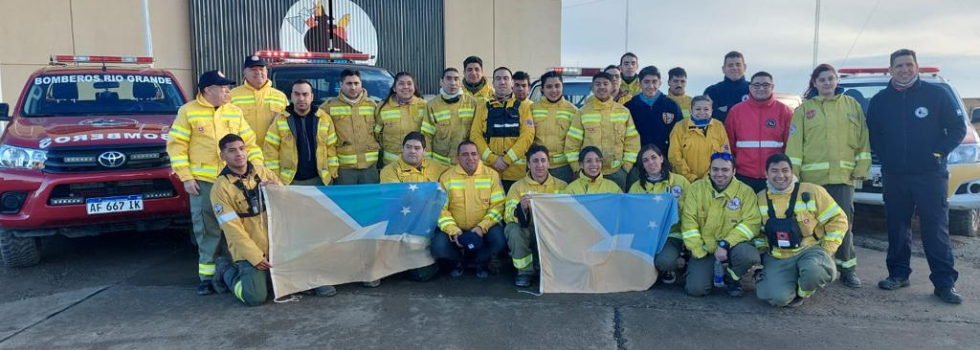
(214, 77)
(252, 61)
(470, 241)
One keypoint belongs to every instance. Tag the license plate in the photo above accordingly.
(118, 204)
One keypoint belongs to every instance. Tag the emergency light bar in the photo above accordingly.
(314, 55)
(576, 71)
(927, 70)
(101, 59)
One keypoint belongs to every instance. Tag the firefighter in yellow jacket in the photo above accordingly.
(469, 224)
(720, 224)
(300, 146)
(590, 179)
(259, 101)
(517, 212)
(801, 239)
(695, 139)
(655, 177)
(503, 129)
(448, 120)
(352, 113)
(412, 165)
(553, 116)
(829, 146)
(608, 125)
(241, 213)
(475, 83)
(629, 69)
(402, 112)
(194, 157)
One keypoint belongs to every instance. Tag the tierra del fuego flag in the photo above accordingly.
(330, 235)
(600, 243)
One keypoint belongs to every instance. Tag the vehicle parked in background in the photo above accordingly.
(84, 153)
(963, 162)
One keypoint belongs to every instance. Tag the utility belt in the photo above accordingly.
(786, 233)
(256, 204)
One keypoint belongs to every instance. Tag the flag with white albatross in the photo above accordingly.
(329, 235)
(600, 243)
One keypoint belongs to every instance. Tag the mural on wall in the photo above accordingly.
(399, 35)
(353, 31)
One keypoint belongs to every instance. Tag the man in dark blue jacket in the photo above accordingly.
(913, 126)
(654, 114)
(730, 90)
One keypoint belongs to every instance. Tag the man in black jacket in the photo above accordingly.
(913, 126)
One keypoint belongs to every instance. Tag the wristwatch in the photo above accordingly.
(723, 244)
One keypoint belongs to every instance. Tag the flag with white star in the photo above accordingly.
(601, 243)
(328, 235)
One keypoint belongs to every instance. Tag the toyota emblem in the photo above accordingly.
(112, 159)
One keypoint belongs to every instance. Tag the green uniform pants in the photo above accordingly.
(522, 244)
(347, 176)
(666, 260)
(250, 285)
(845, 257)
(782, 280)
(700, 272)
(206, 231)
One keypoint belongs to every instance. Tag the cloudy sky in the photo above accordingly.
(774, 35)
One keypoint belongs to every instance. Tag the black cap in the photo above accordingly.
(214, 77)
(252, 61)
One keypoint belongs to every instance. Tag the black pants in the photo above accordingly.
(924, 194)
(756, 184)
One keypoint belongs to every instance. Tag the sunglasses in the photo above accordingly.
(723, 155)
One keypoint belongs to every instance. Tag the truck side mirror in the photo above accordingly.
(4, 112)
(975, 115)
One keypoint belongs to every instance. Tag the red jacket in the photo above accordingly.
(757, 130)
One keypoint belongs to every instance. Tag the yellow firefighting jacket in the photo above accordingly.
(676, 185)
(821, 220)
(193, 139)
(280, 152)
(446, 125)
(474, 200)
(633, 88)
(510, 149)
(684, 101)
(485, 93)
(709, 216)
(399, 171)
(392, 122)
(691, 147)
(609, 126)
(551, 123)
(585, 185)
(247, 237)
(525, 186)
(259, 106)
(828, 141)
(357, 148)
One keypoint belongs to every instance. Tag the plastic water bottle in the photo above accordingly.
(719, 275)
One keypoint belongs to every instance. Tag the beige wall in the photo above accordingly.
(88, 27)
(519, 34)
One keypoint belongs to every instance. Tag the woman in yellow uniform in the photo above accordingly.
(655, 177)
(590, 180)
(695, 139)
(401, 113)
